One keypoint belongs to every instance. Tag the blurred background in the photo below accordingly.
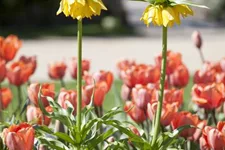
(117, 33)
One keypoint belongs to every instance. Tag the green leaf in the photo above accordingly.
(52, 143)
(65, 137)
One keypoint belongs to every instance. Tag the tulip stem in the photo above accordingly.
(63, 85)
(79, 74)
(202, 56)
(214, 116)
(162, 83)
(1, 106)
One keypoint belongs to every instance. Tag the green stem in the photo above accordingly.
(214, 116)
(202, 56)
(63, 85)
(1, 106)
(162, 83)
(79, 74)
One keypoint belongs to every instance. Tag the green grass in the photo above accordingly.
(112, 98)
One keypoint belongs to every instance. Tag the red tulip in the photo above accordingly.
(100, 90)
(213, 138)
(168, 112)
(19, 137)
(68, 96)
(2, 70)
(173, 61)
(57, 70)
(142, 95)
(185, 118)
(6, 97)
(30, 61)
(180, 77)
(208, 96)
(47, 90)
(140, 74)
(18, 73)
(198, 131)
(100, 76)
(137, 114)
(9, 47)
(125, 64)
(35, 115)
(135, 130)
(197, 39)
(125, 92)
(73, 67)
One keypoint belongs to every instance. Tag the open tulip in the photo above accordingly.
(73, 67)
(2, 69)
(125, 64)
(180, 77)
(6, 97)
(67, 96)
(168, 112)
(136, 114)
(19, 137)
(30, 61)
(99, 90)
(208, 96)
(174, 60)
(35, 115)
(47, 90)
(57, 70)
(9, 47)
(185, 118)
(18, 73)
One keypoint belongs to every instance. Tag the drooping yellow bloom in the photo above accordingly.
(165, 16)
(79, 9)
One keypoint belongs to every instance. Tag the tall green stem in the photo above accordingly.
(79, 74)
(1, 106)
(162, 83)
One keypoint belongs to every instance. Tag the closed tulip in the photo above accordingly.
(18, 73)
(168, 112)
(30, 61)
(47, 90)
(185, 118)
(99, 90)
(136, 114)
(174, 60)
(213, 138)
(73, 67)
(180, 77)
(134, 130)
(197, 39)
(19, 137)
(9, 47)
(57, 70)
(208, 96)
(2, 70)
(67, 96)
(6, 97)
(125, 92)
(35, 115)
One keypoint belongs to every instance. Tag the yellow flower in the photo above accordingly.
(165, 16)
(79, 9)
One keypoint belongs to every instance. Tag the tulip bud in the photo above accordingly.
(197, 39)
(6, 97)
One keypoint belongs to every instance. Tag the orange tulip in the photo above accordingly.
(57, 70)
(47, 90)
(2, 70)
(100, 90)
(198, 132)
(135, 130)
(19, 137)
(142, 95)
(68, 96)
(35, 115)
(213, 138)
(9, 47)
(100, 76)
(185, 118)
(173, 61)
(73, 67)
(137, 114)
(18, 73)
(140, 74)
(180, 77)
(6, 97)
(168, 112)
(125, 64)
(208, 96)
(30, 61)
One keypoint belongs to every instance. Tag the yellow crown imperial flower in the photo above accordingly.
(79, 9)
(165, 15)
